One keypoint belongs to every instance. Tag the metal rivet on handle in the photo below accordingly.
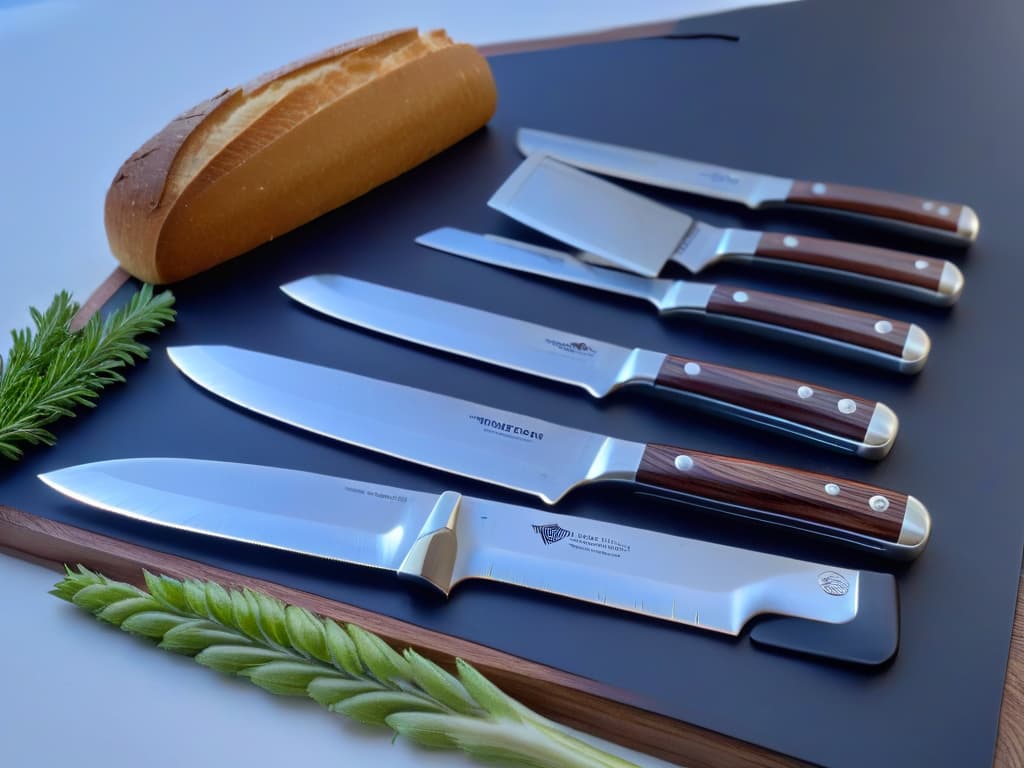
(683, 463)
(943, 210)
(790, 242)
(741, 297)
(846, 405)
(928, 205)
(691, 369)
(831, 489)
(883, 326)
(921, 264)
(804, 392)
(878, 503)
(818, 188)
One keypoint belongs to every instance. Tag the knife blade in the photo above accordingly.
(871, 338)
(545, 459)
(443, 540)
(927, 217)
(796, 408)
(613, 226)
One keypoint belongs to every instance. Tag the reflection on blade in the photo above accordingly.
(653, 168)
(553, 354)
(619, 226)
(684, 580)
(297, 511)
(546, 262)
(442, 432)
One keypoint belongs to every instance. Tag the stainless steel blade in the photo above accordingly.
(596, 366)
(683, 580)
(750, 189)
(297, 511)
(591, 214)
(438, 431)
(558, 265)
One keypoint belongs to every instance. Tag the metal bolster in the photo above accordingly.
(968, 226)
(881, 433)
(951, 283)
(642, 366)
(431, 559)
(915, 350)
(917, 526)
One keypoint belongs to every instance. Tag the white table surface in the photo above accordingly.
(84, 84)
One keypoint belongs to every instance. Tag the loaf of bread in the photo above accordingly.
(256, 161)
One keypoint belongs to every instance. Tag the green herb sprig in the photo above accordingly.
(52, 369)
(288, 650)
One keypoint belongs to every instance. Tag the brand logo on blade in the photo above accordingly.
(833, 583)
(516, 431)
(573, 347)
(720, 177)
(552, 533)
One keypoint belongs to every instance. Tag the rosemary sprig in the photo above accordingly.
(52, 370)
(287, 650)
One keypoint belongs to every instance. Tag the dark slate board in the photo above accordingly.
(918, 97)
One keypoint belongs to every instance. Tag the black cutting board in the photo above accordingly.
(919, 97)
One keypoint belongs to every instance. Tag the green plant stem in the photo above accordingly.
(50, 371)
(287, 650)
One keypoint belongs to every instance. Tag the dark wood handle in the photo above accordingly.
(935, 279)
(864, 330)
(948, 218)
(805, 404)
(806, 499)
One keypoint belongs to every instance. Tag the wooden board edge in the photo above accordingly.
(1010, 741)
(103, 293)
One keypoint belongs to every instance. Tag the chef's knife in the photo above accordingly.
(442, 540)
(545, 459)
(612, 225)
(815, 413)
(924, 216)
(878, 340)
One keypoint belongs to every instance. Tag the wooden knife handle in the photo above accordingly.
(891, 343)
(934, 280)
(847, 422)
(948, 219)
(892, 522)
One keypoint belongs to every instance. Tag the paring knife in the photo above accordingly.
(544, 459)
(821, 415)
(613, 226)
(878, 340)
(923, 216)
(442, 540)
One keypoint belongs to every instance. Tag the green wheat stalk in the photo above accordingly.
(287, 650)
(52, 370)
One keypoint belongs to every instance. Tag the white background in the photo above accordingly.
(84, 84)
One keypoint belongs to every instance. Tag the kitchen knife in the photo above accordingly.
(815, 413)
(612, 225)
(545, 459)
(922, 216)
(888, 343)
(442, 540)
